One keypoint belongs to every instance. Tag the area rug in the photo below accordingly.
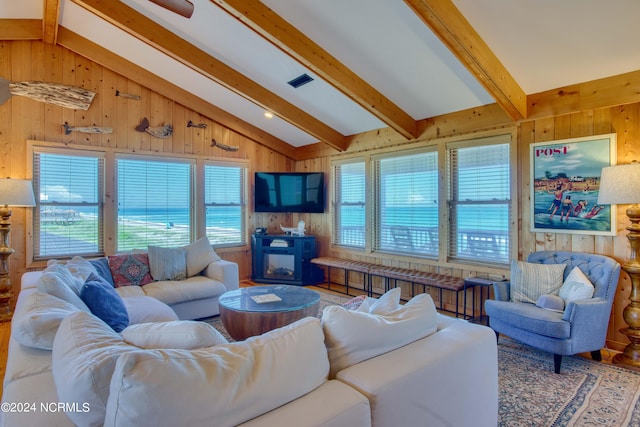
(585, 393)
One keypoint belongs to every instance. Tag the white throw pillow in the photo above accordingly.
(168, 263)
(529, 281)
(224, 385)
(181, 334)
(352, 337)
(199, 255)
(72, 281)
(85, 351)
(57, 281)
(81, 268)
(36, 323)
(576, 287)
(551, 302)
(387, 303)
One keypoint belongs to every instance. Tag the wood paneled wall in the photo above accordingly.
(622, 120)
(23, 119)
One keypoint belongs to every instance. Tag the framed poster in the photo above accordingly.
(565, 180)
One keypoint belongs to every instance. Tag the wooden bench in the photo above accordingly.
(414, 277)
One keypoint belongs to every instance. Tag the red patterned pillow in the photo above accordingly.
(130, 269)
(354, 303)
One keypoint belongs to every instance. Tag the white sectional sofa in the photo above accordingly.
(401, 370)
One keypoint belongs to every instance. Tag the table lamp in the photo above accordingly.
(13, 193)
(621, 185)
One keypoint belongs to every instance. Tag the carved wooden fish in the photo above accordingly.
(128, 95)
(85, 129)
(159, 132)
(73, 97)
(190, 124)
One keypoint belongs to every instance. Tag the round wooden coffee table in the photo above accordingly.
(254, 310)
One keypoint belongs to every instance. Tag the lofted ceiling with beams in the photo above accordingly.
(374, 63)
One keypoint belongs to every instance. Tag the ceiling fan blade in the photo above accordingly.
(181, 7)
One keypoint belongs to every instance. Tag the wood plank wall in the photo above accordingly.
(622, 120)
(22, 119)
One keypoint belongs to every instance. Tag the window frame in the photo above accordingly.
(487, 243)
(33, 255)
(336, 204)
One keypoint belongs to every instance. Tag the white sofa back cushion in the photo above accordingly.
(84, 356)
(354, 336)
(36, 322)
(182, 334)
(223, 385)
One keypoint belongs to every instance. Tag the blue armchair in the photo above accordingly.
(580, 328)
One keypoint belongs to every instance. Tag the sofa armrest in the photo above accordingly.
(502, 291)
(225, 272)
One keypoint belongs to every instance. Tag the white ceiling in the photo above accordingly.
(544, 44)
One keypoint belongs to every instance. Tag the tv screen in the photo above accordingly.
(289, 192)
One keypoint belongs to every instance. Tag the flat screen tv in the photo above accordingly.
(289, 192)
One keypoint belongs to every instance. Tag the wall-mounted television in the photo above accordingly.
(289, 192)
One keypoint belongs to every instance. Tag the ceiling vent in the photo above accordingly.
(302, 79)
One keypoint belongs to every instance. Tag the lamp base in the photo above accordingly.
(631, 354)
(5, 306)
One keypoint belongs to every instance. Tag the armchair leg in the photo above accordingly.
(557, 361)
(596, 355)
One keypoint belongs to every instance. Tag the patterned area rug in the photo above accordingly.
(586, 393)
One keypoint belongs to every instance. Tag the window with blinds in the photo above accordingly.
(68, 217)
(480, 201)
(154, 202)
(225, 203)
(406, 213)
(349, 206)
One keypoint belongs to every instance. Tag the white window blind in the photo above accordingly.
(480, 202)
(154, 202)
(349, 207)
(224, 199)
(406, 217)
(68, 218)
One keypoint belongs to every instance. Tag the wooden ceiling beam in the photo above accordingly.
(96, 53)
(143, 28)
(446, 21)
(20, 29)
(51, 15)
(261, 19)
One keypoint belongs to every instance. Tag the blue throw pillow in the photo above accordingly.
(105, 302)
(102, 267)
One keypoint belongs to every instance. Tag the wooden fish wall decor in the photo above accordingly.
(226, 147)
(190, 124)
(86, 129)
(73, 97)
(127, 95)
(159, 132)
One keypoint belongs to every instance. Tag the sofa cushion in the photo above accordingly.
(73, 281)
(57, 281)
(167, 263)
(102, 268)
(144, 309)
(84, 356)
(130, 269)
(530, 318)
(199, 255)
(80, 267)
(530, 280)
(181, 334)
(177, 291)
(104, 302)
(387, 303)
(353, 336)
(228, 383)
(576, 287)
(36, 322)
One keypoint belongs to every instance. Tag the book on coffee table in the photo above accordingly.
(266, 298)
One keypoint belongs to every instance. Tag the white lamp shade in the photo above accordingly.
(16, 192)
(620, 185)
